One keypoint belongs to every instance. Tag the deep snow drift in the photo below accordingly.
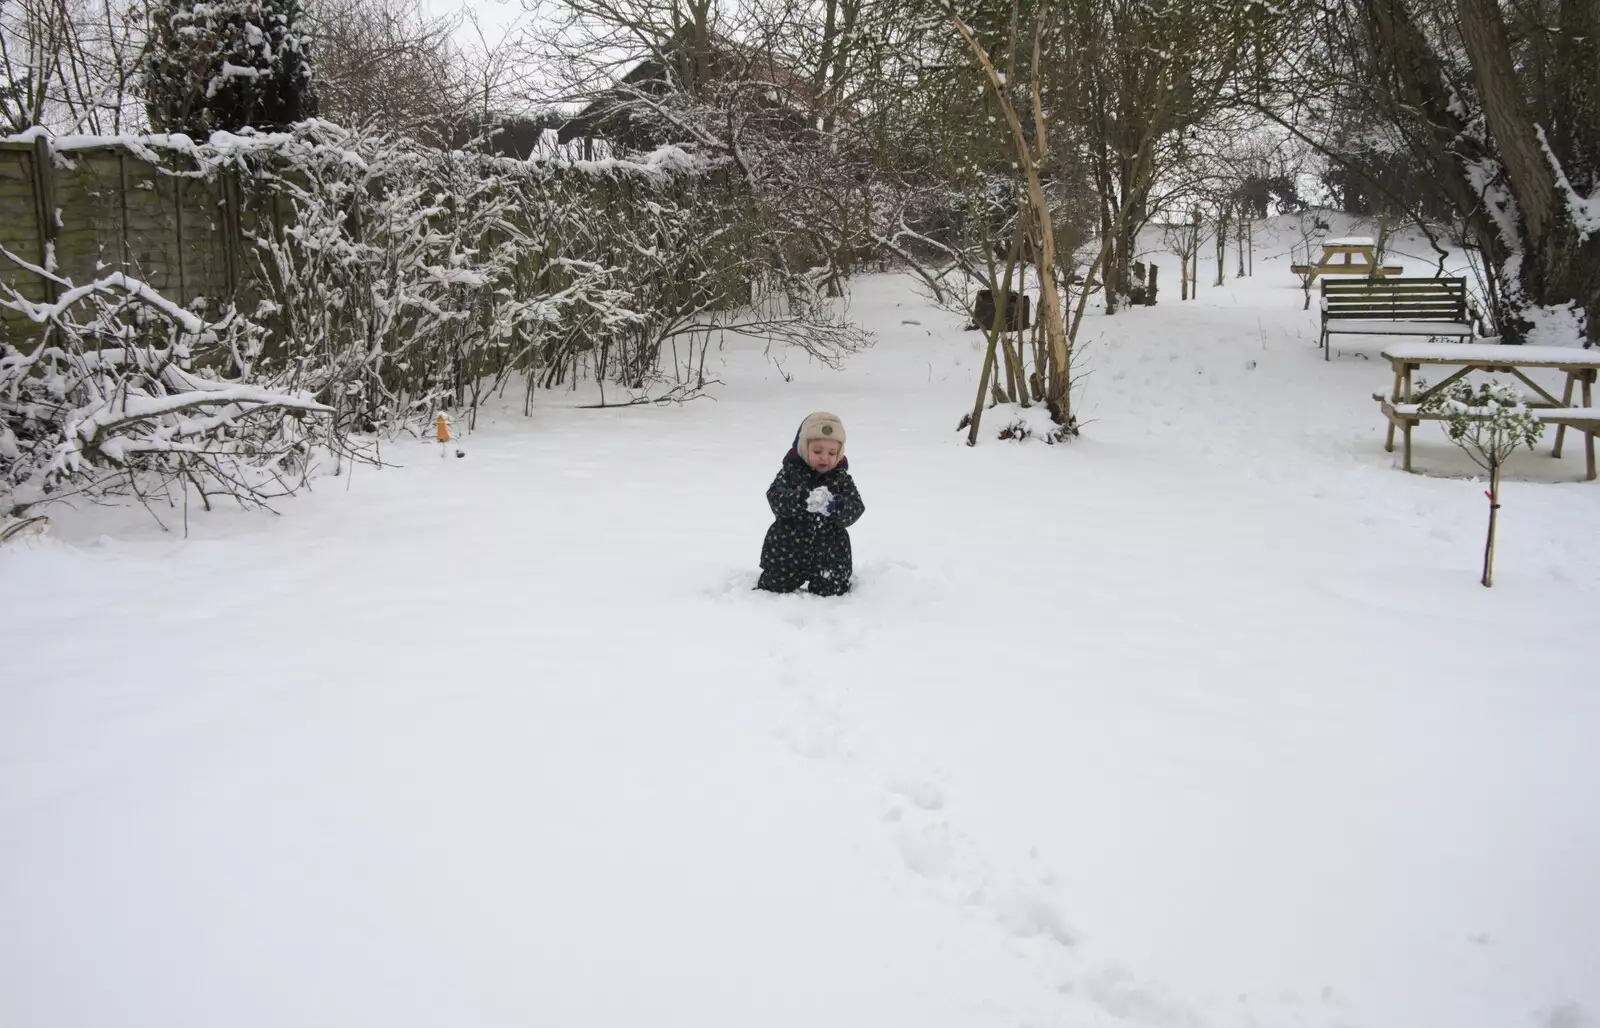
(1201, 720)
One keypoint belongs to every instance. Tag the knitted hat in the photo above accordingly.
(820, 425)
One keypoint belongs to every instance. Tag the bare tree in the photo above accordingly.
(716, 82)
(71, 65)
(1183, 239)
(1032, 153)
(1139, 80)
(386, 65)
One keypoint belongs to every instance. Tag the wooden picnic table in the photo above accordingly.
(1403, 406)
(1346, 247)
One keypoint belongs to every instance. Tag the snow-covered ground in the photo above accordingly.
(1202, 721)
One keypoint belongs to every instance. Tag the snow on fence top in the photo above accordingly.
(326, 137)
(1351, 241)
(1523, 355)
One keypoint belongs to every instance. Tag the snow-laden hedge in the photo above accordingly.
(403, 280)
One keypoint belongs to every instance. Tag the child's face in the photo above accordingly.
(822, 455)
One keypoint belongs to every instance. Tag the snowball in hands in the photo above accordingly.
(818, 500)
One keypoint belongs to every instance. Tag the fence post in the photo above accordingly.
(177, 193)
(232, 231)
(122, 196)
(44, 205)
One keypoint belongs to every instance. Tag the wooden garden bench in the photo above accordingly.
(1395, 307)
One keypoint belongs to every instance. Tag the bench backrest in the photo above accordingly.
(1396, 299)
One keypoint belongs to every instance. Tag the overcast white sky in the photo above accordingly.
(495, 15)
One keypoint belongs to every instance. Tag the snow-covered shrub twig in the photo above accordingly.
(128, 392)
(417, 278)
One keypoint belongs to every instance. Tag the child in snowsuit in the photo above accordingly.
(814, 500)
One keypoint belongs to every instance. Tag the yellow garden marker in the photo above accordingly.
(441, 431)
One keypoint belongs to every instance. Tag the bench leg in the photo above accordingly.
(1566, 401)
(1407, 433)
(1588, 437)
(1394, 397)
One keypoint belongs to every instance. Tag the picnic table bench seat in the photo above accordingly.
(1554, 415)
(1335, 268)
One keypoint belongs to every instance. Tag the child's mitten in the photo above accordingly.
(817, 502)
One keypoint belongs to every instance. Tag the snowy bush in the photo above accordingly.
(1489, 421)
(126, 392)
(227, 64)
(1020, 424)
(460, 272)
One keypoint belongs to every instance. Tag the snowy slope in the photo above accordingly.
(1199, 721)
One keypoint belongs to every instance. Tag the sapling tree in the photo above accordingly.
(1183, 239)
(1312, 228)
(1489, 423)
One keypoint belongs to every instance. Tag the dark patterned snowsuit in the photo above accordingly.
(804, 547)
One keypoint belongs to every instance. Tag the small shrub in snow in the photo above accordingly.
(1020, 424)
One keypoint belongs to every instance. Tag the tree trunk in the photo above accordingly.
(1108, 248)
(1494, 510)
(1222, 248)
(1013, 368)
(819, 76)
(1194, 259)
(1536, 250)
(996, 327)
(1510, 120)
(1561, 262)
(983, 387)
